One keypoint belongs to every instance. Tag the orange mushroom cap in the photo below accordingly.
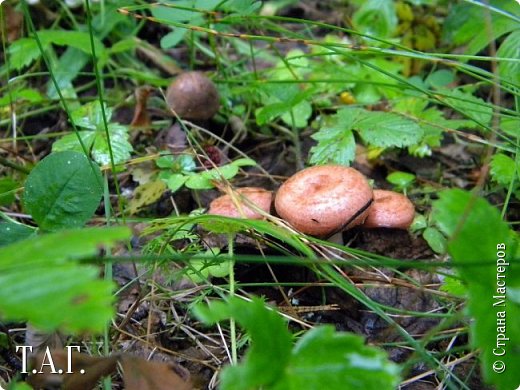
(226, 206)
(324, 199)
(390, 210)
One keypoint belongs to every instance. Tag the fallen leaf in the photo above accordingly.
(141, 118)
(139, 374)
(86, 370)
(146, 194)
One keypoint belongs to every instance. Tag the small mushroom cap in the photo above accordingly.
(193, 96)
(324, 199)
(226, 206)
(390, 210)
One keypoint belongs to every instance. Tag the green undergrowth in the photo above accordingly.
(394, 79)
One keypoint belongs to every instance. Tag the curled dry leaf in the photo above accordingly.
(141, 117)
(86, 371)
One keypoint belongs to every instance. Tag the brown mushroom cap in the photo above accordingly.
(390, 210)
(225, 205)
(193, 96)
(324, 199)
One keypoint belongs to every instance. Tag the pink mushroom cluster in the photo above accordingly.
(321, 201)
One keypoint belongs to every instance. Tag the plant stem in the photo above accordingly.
(232, 325)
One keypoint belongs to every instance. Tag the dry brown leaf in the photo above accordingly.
(141, 118)
(85, 370)
(139, 374)
(14, 22)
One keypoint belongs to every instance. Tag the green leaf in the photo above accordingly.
(376, 18)
(503, 170)
(386, 129)
(339, 359)
(90, 115)
(509, 48)
(204, 180)
(244, 162)
(435, 240)
(11, 232)
(176, 181)
(63, 191)
(440, 78)
(77, 39)
(121, 147)
(336, 145)
(95, 139)
(469, 105)
(401, 179)
(71, 142)
(23, 52)
(301, 113)
(8, 188)
(453, 286)
(480, 244)
(22, 95)
(468, 23)
(43, 283)
(270, 342)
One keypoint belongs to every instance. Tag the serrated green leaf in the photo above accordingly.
(42, 281)
(453, 286)
(271, 342)
(386, 129)
(479, 239)
(23, 52)
(335, 145)
(121, 147)
(63, 191)
(469, 105)
(90, 115)
(95, 139)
